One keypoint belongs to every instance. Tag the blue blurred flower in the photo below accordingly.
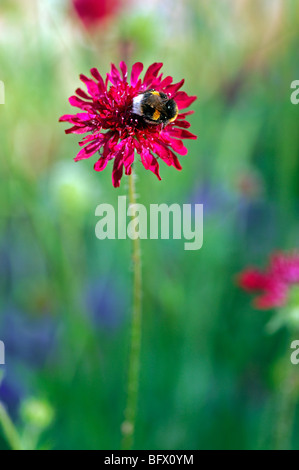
(28, 339)
(11, 394)
(107, 306)
(256, 222)
(244, 206)
(256, 218)
(214, 198)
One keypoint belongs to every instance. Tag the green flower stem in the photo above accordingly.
(9, 430)
(128, 427)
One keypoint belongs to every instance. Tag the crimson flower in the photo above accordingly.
(274, 283)
(91, 12)
(116, 132)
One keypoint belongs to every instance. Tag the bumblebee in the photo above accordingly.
(155, 107)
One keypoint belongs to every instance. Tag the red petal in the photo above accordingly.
(79, 129)
(285, 266)
(180, 133)
(101, 164)
(183, 100)
(152, 73)
(166, 82)
(92, 138)
(114, 75)
(175, 161)
(166, 155)
(92, 87)
(252, 279)
(150, 162)
(124, 70)
(96, 74)
(128, 162)
(272, 298)
(78, 103)
(67, 118)
(171, 90)
(129, 156)
(89, 150)
(183, 124)
(178, 146)
(117, 171)
(76, 118)
(82, 94)
(136, 71)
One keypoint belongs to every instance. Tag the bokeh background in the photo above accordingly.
(212, 374)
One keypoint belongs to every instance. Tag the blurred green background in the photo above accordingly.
(212, 377)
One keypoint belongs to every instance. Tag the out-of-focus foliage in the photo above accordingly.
(211, 374)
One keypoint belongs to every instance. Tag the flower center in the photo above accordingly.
(115, 113)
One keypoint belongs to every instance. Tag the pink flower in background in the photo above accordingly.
(274, 283)
(91, 12)
(115, 130)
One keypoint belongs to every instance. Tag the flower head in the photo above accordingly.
(117, 132)
(91, 12)
(274, 283)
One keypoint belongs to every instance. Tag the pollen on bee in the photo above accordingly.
(156, 115)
